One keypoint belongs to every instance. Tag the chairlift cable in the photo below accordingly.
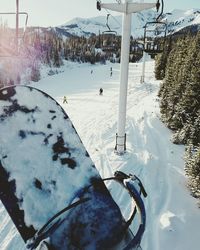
(113, 17)
(107, 22)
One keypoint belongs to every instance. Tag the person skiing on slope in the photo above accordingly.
(100, 91)
(65, 99)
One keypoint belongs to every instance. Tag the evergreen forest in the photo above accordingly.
(179, 68)
(48, 46)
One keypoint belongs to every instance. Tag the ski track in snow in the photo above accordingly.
(173, 217)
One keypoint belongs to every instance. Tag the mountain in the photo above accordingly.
(90, 26)
(176, 20)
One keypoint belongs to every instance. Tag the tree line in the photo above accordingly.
(48, 46)
(179, 67)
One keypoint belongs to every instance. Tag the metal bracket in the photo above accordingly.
(124, 143)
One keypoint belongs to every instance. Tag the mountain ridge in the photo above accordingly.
(176, 21)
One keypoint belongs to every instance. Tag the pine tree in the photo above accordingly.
(192, 168)
(161, 60)
(173, 86)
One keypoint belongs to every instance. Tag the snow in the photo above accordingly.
(173, 216)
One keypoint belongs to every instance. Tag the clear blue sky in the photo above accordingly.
(56, 12)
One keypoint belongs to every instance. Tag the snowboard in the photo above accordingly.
(48, 182)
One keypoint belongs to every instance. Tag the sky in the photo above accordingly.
(51, 13)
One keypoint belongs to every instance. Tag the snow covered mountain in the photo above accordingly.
(176, 20)
(96, 25)
(179, 19)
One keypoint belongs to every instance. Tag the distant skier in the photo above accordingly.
(91, 71)
(100, 91)
(111, 71)
(65, 99)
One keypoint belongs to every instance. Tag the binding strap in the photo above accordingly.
(135, 188)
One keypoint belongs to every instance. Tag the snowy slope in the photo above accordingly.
(173, 217)
(176, 20)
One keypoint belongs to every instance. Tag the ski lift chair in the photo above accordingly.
(109, 41)
(109, 38)
(136, 47)
(11, 39)
(136, 50)
(154, 37)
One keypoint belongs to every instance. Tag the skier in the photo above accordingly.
(100, 91)
(65, 99)
(111, 71)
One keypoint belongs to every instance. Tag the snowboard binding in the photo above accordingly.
(135, 188)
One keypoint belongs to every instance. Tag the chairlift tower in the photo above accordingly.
(17, 24)
(10, 47)
(127, 8)
(143, 67)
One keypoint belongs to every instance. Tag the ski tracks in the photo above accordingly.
(94, 124)
(150, 156)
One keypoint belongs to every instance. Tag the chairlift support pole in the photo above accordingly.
(143, 67)
(127, 8)
(17, 24)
